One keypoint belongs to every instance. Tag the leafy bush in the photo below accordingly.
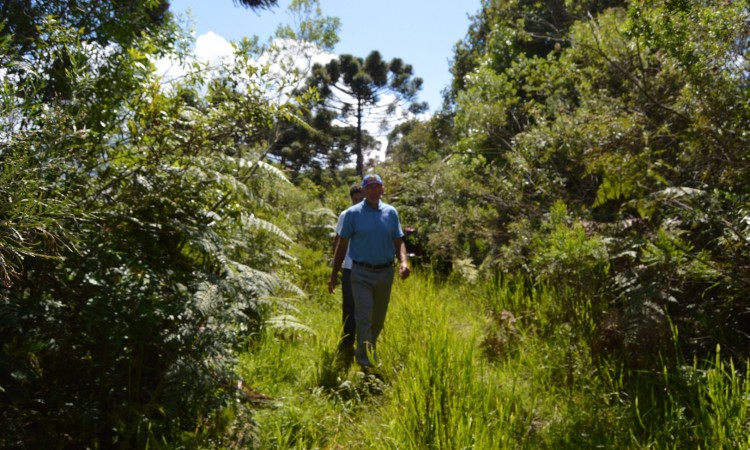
(634, 118)
(135, 255)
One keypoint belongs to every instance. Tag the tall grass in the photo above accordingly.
(445, 395)
(484, 366)
(700, 405)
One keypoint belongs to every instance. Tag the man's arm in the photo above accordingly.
(338, 259)
(403, 269)
(339, 225)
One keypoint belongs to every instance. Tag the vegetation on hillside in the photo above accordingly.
(581, 203)
(605, 155)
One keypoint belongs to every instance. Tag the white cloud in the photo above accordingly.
(169, 68)
(213, 49)
(210, 50)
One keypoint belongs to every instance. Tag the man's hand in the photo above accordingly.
(404, 271)
(332, 283)
(401, 255)
(342, 244)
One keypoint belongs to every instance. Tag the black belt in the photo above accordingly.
(373, 266)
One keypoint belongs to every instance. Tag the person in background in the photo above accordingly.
(346, 345)
(372, 233)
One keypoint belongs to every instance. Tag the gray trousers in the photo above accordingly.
(347, 308)
(372, 293)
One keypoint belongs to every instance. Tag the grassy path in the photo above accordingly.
(441, 390)
(437, 391)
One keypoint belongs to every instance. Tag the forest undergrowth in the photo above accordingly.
(460, 369)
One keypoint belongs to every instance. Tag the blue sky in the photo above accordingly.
(421, 32)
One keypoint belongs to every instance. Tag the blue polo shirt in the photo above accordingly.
(371, 232)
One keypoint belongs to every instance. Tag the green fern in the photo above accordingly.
(262, 282)
(251, 221)
(286, 322)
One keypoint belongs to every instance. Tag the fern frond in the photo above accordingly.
(209, 243)
(466, 268)
(232, 163)
(265, 283)
(282, 303)
(323, 212)
(285, 256)
(255, 222)
(288, 322)
(205, 297)
(216, 178)
(679, 192)
(273, 171)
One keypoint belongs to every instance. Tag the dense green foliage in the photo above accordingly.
(584, 192)
(104, 22)
(605, 156)
(143, 240)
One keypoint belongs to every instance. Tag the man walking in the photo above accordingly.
(372, 232)
(346, 345)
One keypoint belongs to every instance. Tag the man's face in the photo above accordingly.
(373, 192)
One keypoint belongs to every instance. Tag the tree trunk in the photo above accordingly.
(358, 146)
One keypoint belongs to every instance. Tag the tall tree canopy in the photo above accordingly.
(502, 30)
(104, 22)
(360, 88)
(256, 4)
